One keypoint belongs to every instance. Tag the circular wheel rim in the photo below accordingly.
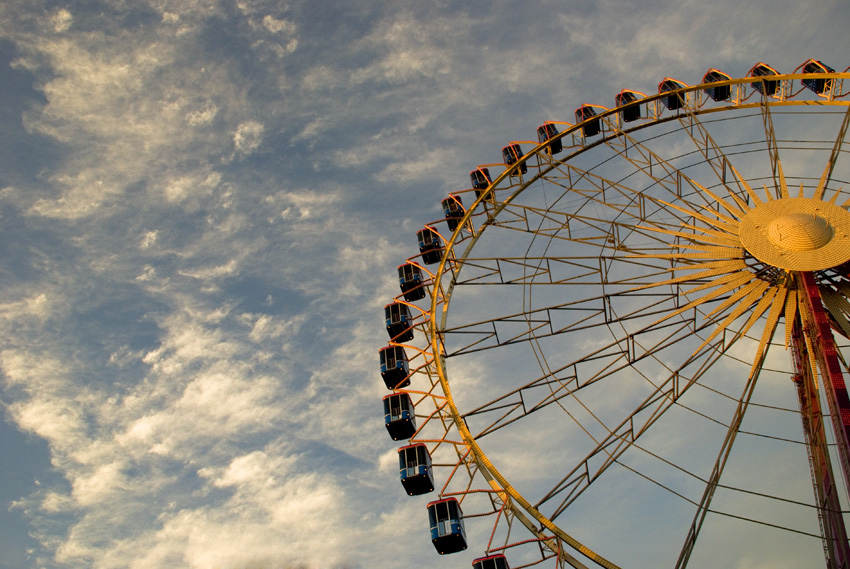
(445, 278)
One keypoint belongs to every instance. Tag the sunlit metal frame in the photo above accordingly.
(442, 425)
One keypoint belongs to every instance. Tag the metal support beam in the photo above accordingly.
(836, 546)
(816, 326)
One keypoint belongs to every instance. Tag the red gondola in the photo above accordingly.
(410, 281)
(765, 87)
(447, 532)
(430, 245)
(394, 367)
(548, 131)
(453, 208)
(511, 155)
(717, 93)
(415, 470)
(491, 562)
(591, 127)
(481, 180)
(819, 86)
(629, 112)
(399, 418)
(399, 322)
(676, 100)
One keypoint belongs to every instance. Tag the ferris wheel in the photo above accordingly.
(626, 344)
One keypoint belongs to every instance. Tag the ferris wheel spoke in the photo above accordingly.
(833, 158)
(574, 270)
(619, 439)
(585, 205)
(569, 380)
(645, 160)
(604, 233)
(772, 147)
(717, 159)
(720, 464)
(594, 190)
(524, 270)
(556, 320)
(622, 200)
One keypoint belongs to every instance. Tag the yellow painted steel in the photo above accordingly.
(807, 240)
(798, 234)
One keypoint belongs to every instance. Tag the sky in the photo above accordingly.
(202, 207)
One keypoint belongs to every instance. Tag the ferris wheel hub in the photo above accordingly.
(800, 231)
(797, 234)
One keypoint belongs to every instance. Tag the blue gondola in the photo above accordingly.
(765, 87)
(676, 100)
(819, 86)
(430, 245)
(546, 132)
(399, 418)
(628, 112)
(591, 127)
(415, 470)
(481, 180)
(511, 155)
(491, 562)
(453, 208)
(399, 322)
(394, 367)
(410, 281)
(447, 533)
(719, 93)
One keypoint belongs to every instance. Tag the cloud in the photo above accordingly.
(277, 26)
(62, 20)
(195, 268)
(177, 431)
(248, 137)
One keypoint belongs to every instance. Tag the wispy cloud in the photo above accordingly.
(195, 263)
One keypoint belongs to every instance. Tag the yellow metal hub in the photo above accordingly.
(797, 234)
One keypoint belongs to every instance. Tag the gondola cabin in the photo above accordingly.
(628, 112)
(511, 155)
(447, 532)
(399, 418)
(453, 208)
(410, 281)
(593, 126)
(718, 93)
(491, 562)
(676, 100)
(394, 367)
(399, 322)
(765, 87)
(546, 132)
(430, 245)
(481, 180)
(819, 86)
(415, 469)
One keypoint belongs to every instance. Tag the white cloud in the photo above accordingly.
(277, 26)
(193, 331)
(248, 137)
(62, 20)
(410, 50)
(203, 115)
(38, 306)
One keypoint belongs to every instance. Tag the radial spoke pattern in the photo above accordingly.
(610, 332)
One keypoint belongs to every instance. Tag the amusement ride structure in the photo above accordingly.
(626, 345)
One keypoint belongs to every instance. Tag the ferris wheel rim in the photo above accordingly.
(436, 325)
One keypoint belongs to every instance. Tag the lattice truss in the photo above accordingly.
(609, 332)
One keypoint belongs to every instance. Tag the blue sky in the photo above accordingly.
(203, 205)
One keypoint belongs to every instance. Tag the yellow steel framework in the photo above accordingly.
(679, 237)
